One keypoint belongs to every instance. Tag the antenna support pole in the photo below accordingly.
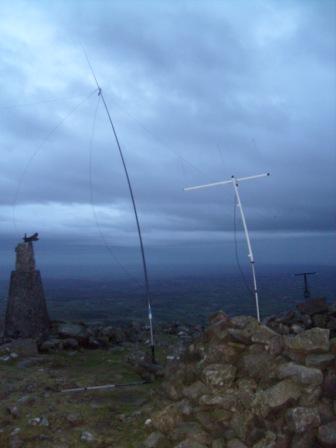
(306, 291)
(249, 247)
(235, 182)
(142, 249)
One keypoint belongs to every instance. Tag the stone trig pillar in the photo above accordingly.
(27, 314)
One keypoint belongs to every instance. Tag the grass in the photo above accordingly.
(115, 416)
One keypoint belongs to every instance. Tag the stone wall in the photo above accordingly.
(244, 385)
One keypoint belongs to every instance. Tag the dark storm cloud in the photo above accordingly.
(198, 91)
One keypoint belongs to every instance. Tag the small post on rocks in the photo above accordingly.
(235, 182)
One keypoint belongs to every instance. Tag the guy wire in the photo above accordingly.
(35, 153)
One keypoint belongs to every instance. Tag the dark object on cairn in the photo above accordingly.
(27, 314)
(31, 238)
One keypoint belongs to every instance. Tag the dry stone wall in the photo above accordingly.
(242, 384)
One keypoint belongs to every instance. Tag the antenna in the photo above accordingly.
(306, 291)
(142, 249)
(235, 182)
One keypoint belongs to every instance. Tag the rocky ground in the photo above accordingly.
(236, 384)
(242, 385)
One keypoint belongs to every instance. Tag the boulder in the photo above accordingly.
(275, 397)
(315, 340)
(301, 374)
(219, 374)
(300, 419)
(327, 435)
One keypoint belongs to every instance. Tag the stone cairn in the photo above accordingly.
(244, 385)
(27, 314)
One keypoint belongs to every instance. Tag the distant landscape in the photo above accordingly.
(184, 298)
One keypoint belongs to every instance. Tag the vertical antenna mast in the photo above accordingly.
(235, 182)
(142, 249)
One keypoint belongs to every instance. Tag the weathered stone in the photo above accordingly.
(313, 306)
(320, 360)
(310, 395)
(26, 314)
(236, 443)
(275, 397)
(310, 341)
(327, 435)
(301, 374)
(190, 444)
(167, 419)
(304, 440)
(227, 401)
(51, 345)
(23, 347)
(87, 437)
(70, 344)
(325, 409)
(195, 390)
(243, 321)
(156, 440)
(241, 423)
(329, 385)
(262, 334)
(219, 374)
(191, 431)
(253, 365)
(269, 441)
(301, 418)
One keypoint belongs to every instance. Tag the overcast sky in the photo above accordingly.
(198, 91)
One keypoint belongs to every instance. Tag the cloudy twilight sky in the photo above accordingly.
(198, 91)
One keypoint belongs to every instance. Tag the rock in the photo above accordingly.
(87, 437)
(275, 397)
(301, 418)
(219, 374)
(74, 419)
(253, 365)
(190, 444)
(269, 441)
(70, 344)
(313, 306)
(23, 347)
(167, 419)
(156, 440)
(195, 390)
(322, 360)
(13, 411)
(301, 374)
(235, 443)
(51, 345)
(226, 401)
(310, 341)
(329, 385)
(67, 330)
(191, 431)
(327, 435)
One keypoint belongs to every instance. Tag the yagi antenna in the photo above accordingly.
(142, 249)
(235, 182)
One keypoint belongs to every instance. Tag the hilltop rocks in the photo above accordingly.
(242, 384)
(309, 314)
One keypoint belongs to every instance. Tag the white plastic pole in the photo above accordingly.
(235, 182)
(249, 247)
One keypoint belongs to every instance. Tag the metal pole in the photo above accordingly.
(250, 253)
(142, 249)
